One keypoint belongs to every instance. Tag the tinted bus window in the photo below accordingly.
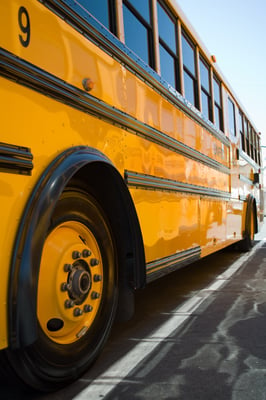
(205, 89)
(218, 111)
(241, 130)
(246, 136)
(142, 7)
(189, 70)
(167, 29)
(168, 47)
(103, 10)
(138, 30)
(231, 116)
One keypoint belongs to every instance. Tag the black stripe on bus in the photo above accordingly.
(163, 266)
(29, 75)
(15, 159)
(144, 181)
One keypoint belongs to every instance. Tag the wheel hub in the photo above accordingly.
(79, 281)
(70, 282)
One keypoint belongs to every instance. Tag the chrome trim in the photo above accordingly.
(171, 263)
(243, 178)
(248, 159)
(15, 159)
(144, 181)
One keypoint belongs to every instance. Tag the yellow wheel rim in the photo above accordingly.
(70, 285)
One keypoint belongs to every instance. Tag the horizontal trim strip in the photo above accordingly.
(87, 25)
(248, 159)
(37, 79)
(15, 159)
(243, 178)
(156, 183)
(171, 263)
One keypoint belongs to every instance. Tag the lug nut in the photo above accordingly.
(68, 267)
(97, 278)
(95, 295)
(87, 308)
(76, 254)
(77, 312)
(64, 287)
(94, 261)
(86, 253)
(69, 303)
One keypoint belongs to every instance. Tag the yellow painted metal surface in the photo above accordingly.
(57, 48)
(170, 221)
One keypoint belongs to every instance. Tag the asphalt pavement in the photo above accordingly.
(218, 351)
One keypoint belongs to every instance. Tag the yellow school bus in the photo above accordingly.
(124, 155)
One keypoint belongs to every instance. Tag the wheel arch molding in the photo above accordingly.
(251, 208)
(82, 164)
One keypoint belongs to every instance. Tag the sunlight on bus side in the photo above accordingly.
(124, 156)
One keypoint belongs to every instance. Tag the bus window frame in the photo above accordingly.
(187, 70)
(203, 89)
(148, 25)
(231, 118)
(173, 53)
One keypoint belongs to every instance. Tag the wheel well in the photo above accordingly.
(105, 183)
(251, 208)
(94, 171)
(256, 229)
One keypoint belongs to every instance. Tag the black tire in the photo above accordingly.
(248, 241)
(53, 360)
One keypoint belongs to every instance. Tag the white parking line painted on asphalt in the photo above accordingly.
(107, 381)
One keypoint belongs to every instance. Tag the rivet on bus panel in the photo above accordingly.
(88, 84)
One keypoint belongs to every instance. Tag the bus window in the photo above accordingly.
(218, 111)
(246, 136)
(205, 89)
(241, 130)
(168, 47)
(258, 150)
(142, 7)
(103, 10)
(138, 29)
(189, 69)
(231, 117)
(255, 148)
(252, 144)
